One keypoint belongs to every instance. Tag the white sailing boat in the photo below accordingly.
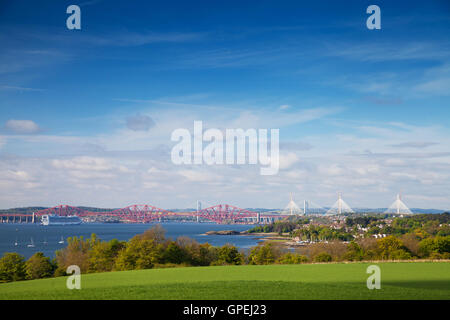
(16, 243)
(31, 245)
(61, 241)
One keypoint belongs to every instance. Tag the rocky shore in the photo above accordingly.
(223, 233)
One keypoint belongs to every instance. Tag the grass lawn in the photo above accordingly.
(420, 280)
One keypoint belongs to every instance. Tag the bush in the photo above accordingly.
(292, 258)
(400, 255)
(323, 257)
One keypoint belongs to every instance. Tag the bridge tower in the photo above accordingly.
(199, 208)
(398, 207)
(339, 207)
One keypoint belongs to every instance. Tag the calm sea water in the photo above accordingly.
(46, 238)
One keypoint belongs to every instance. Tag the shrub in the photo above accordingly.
(323, 257)
(292, 258)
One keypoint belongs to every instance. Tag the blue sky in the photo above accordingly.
(362, 112)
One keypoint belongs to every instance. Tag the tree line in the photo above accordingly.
(153, 250)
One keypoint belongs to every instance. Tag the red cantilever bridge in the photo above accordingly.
(143, 213)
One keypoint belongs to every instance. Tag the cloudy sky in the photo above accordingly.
(86, 115)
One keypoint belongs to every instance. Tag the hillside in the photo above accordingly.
(420, 280)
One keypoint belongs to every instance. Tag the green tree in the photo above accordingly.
(12, 267)
(437, 245)
(228, 254)
(102, 255)
(392, 248)
(174, 254)
(262, 254)
(77, 252)
(139, 254)
(354, 252)
(39, 266)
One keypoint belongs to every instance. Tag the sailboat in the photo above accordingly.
(31, 245)
(45, 242)
(16, 243)
(61, 241)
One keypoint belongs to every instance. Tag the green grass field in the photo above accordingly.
(427, 280)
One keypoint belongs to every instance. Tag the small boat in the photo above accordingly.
(61, 241)
(16, 243)
(45, 242)
(31, 245)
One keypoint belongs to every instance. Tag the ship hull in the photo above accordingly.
(53, 220)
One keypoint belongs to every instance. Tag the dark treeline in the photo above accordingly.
(153, 250)
(280, 227)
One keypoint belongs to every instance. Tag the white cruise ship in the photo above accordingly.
(55, 220)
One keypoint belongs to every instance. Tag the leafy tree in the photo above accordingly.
(76, 253)
(12, 267)
(139, 254)
(174, 254)
(436, 245)
(102, 255)
(197, 254)
(262, 254)
(392, 248)
(228, 254)
(354, 252)
(39, 266)
(156, 233)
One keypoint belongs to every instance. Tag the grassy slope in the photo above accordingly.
(319, 281)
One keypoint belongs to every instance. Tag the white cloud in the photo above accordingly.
(83, 163)
(197, 175)
(332, 170)
(130, 164)
(287, 160)
(22, 126)
(91, 175)
(437, 86)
